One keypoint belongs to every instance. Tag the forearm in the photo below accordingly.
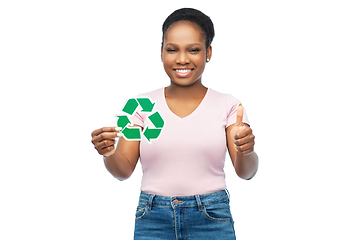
(118, 165)
(246, 166)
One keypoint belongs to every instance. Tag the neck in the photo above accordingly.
(196, 90)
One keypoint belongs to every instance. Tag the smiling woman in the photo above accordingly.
(183, 190)
(184, 53)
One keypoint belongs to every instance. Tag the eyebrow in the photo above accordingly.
(190, 45)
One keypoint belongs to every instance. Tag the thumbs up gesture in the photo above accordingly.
(242, 134)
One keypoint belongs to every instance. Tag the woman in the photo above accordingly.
(183, 192)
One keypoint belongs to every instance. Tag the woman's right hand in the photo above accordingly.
(104, 140)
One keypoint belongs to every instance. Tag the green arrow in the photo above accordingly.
(151, 133)
(130, 106)
(123, 121)
(156, 120)
(132, 133)
(146, 104)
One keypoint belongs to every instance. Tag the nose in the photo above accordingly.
(182, 59)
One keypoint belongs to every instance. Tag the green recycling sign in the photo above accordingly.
(134, 133)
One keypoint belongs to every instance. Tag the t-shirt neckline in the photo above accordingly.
(193, 112)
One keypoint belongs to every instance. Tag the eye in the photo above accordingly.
(170, 50)
(195, 50)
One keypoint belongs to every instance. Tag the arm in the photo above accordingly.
(241, 150)
(240, 143)
(120, 162)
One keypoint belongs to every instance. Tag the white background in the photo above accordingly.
(67, 67)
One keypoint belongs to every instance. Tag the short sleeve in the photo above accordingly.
(232, 104)
(137, 117)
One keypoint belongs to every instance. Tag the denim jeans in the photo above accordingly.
(199, 217)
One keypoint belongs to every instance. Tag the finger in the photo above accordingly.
(247, 152)
(244, 131)
(107, 151)
(245, 140)
(239, 115)
(104, 144)
(246, 148)
(104, 129)
(104, 136)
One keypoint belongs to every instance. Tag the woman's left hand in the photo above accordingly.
(242, 134)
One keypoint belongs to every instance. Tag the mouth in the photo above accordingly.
(183, 72)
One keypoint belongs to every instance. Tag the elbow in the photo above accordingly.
(246, 175)
(122, 177)
(118, 168)
(248, 167)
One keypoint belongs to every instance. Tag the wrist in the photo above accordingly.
(248, 154)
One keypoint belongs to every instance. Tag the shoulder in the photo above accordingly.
(228, 104)
(154, 93)
(224, 98)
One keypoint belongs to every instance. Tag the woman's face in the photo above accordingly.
(184, 53)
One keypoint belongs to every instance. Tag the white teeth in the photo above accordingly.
(182, 70)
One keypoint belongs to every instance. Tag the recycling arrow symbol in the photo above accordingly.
(134, 133)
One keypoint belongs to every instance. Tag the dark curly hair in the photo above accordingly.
(193, 16)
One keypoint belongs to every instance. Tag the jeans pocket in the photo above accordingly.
(219, 212)
(141, 211)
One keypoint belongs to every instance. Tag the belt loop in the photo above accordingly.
(228, 194)
(151, 198)
(198, 202)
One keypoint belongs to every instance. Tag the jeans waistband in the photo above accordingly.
(184, 201)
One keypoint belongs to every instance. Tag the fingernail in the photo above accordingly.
(240, 104)
(120, 134)
(118, 128)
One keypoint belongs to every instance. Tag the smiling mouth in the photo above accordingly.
(183, 71)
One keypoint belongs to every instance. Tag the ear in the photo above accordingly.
(209, 52)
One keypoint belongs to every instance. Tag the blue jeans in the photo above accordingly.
(199, 217)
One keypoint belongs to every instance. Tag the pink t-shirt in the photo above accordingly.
(188, 156)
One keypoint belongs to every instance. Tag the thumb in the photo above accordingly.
(239, 115)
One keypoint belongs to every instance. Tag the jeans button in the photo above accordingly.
(176, 201)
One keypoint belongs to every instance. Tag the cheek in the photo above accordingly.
(167, 63)
(200, 63)
(199, 60)
(168, 58)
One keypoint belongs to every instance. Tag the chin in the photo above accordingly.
(183, 83)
